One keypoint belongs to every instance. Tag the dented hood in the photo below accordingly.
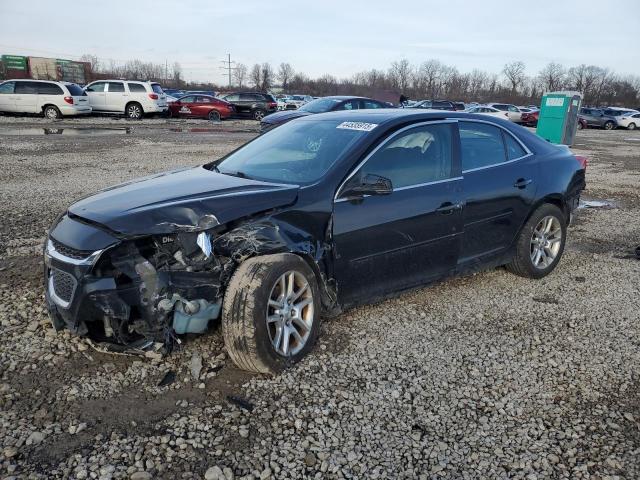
(184, 200)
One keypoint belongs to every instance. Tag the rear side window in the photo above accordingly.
(27, 88)
(135, 88)
(49, 89)
(187, 99)
(116, 87)
(514, 149)
(420, 155)
(96, 87)
(370, 104)
(481, 145)
(75, 90)
(7, 88)
(156, 88)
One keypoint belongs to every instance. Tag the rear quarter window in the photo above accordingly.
(136, 88)
(156, 88)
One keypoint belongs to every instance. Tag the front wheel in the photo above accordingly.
(609, 125)
(631, 126)
(540, 244)
(134, 111)
(271, 313)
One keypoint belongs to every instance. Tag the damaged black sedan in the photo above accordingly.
(323, 213)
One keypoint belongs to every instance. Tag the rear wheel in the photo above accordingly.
(631, 126)
(259, 114)
(540, 244)
(609, 125)
(214, 116)
(134, 111)
(271, 313)
(51, 112)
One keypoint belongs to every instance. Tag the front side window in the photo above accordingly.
(97, 87)
(416, 156)
(481, 145)
(7, 88)
(49, 89)
(116, 87)
(135, 88)
(187, 100)
(299, 152)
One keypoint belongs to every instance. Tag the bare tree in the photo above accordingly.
(285, 73)
(256, 76)
(430, 73)
(400, 74)
(552, 77)
(92, 60)
(240, 74)
(514, 72)
(267, 77)
(177, 74)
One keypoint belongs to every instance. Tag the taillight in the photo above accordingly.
(69, 100)
(273, 104)
(153, 96)
(582, 161)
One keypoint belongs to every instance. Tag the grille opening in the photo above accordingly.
(70, 252)
(63, 284)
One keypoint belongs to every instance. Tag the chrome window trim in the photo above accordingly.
(53, 253)
(407, 187)
(524, 147)
(382, 144)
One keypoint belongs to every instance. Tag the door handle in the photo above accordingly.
(448, 208)
(522, 183)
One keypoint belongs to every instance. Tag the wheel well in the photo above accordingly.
(132, 102)
(550, 199)
(49, 105)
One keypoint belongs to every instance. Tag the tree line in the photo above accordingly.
(430, 79)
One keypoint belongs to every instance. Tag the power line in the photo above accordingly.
(227, 66)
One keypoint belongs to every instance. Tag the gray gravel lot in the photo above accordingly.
(486, 376)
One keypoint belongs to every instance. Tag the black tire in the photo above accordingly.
(51, 112)
(522, 264)
(244, 316)
(134, 111)
(631, 126)
(214, 116)
(259, 114)
(609, 125)
(580, 126)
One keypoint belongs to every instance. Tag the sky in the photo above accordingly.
(328, 36)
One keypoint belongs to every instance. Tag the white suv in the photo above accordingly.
(52, 99)
(131, 98)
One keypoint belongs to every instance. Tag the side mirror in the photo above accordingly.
(370, 184)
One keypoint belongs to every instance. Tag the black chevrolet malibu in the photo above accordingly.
(318, 215)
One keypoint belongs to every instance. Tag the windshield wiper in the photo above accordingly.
(239, 173)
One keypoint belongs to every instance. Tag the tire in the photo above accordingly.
(259, 114)
(609, 125)
(248, 335)
(580, 126)
(526, 246)
(134, 111)
(214, 116)
(51, 112)
(631, 126)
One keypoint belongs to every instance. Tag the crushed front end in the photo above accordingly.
(132, 292)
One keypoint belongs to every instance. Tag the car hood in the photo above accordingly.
(191, 199)
(284, 116)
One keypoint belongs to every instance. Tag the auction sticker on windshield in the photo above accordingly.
(362, 126)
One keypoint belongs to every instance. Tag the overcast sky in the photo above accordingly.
(328, 36)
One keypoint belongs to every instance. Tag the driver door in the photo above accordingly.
(385, 243)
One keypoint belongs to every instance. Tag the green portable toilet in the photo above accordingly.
(558, 118)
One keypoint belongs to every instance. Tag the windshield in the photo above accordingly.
(320, 105)
(297, 152)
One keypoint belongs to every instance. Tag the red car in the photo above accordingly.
(530, 119)
(200, 106)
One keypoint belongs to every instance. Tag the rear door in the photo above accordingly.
(7, 97)
(202, 106)
(499, 183)
(26, 97)
(49, 93)
(391, 242)
(116, 97)
(97, 96)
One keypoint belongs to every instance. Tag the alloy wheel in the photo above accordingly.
(134, 111)
(290, 313)
(51, 113)
(545, 242)
(258, 115)
(632, 126)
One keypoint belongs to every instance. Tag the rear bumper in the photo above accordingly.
(75, 109)
(154, 108)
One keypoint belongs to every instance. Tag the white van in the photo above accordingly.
(131, 98)
(52, 99)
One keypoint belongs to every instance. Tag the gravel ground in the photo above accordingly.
(486, 376)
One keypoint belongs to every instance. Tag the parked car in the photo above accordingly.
(132, 98)
(582, 123)
(200, 106)
(297, 101)
(322, 214)
(459, 106)
(320, 105)
(485, 110)
(251, 104)
(51, 99)
(530, 118)
(595, 117)
(513, 113)
(281, 101)
(171, 99)
(630, 121)
(200, 92)
(435, 105)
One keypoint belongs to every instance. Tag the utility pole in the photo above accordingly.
(227, 65)
(166, 71)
